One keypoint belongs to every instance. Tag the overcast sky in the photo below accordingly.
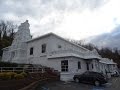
(76, 19)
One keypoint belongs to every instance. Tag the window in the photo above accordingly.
(31, 51)
(43, 48)
(79, 65)
(92, 66)
(13, 54)
(87, 66)
(59, 46)
(64, 66)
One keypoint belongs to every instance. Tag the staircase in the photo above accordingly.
(42, 72)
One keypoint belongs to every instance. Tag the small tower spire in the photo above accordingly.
(23, 33)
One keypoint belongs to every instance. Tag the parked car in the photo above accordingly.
(91, 77)
(115, 74)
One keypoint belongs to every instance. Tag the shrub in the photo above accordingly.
(24, 74)
(2, 75)
(19, 76)
(18, 72)
(12, 74)
(7, 75)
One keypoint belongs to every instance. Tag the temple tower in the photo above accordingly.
(18, 50)
(23, 34)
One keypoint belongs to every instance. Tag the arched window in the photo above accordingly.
(64, 66)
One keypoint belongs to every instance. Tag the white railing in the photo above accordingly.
(22, 69)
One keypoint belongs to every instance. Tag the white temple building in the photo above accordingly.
(56, 52)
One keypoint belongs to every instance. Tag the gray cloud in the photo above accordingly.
(37, 10)
(111, 39)
(43, 7)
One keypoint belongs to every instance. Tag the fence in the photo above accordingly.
(30, 70)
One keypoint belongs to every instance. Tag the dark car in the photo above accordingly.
(91, 77)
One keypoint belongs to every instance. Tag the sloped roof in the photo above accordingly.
(64, 55)
(73, 55)
(48, 34)
(84, 55)
(107, 61)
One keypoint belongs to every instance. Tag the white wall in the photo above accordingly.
(65, 45)
(72, 67)
(52, 45)
(103, 68)
(96, 67)
(38, 57)
(72, 64)
(6, 55)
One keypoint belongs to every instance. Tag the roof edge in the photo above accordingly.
(57, 37)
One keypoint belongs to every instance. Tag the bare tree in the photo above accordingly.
(7, 32)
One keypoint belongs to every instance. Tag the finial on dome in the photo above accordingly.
(26, 21)
(24, 26)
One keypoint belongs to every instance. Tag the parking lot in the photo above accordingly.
(113, 84)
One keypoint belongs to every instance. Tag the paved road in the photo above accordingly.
(114, 84)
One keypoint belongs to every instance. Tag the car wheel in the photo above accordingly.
(97, 83)
(76, 80)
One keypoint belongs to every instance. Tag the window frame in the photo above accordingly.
(92, 66)
(13, 54)
(79, 65)
(59, 46)
(64, 66)
(43, 48)
(31, 50)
